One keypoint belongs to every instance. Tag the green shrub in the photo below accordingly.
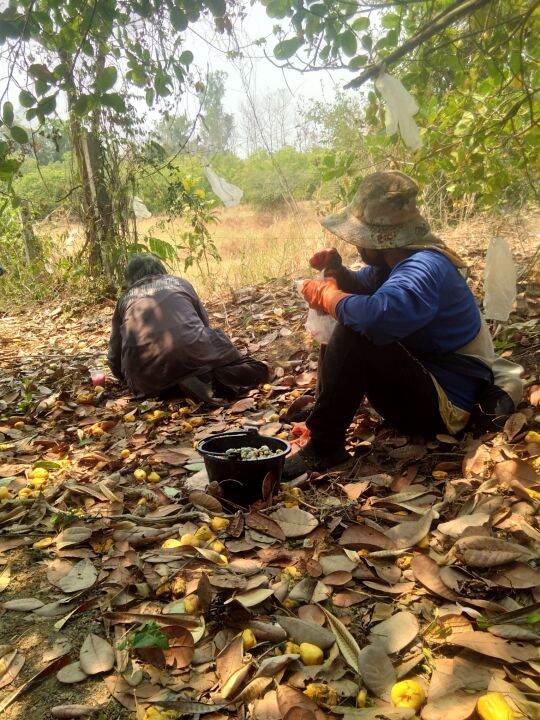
(46, 186)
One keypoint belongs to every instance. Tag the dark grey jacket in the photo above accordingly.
(161, 333)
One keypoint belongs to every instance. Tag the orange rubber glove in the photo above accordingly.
(323, 295)
(327, 260)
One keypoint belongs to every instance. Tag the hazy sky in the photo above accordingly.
(251, 78)
(255, 76)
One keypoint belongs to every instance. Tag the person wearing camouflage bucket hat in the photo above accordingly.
(409, 337)
(384, 215)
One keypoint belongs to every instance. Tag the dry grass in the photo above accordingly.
(255, 246)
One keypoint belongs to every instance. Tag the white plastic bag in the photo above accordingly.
(229, 194)
(318, 324)
(400, 109)
(500, 278)
(140, 209)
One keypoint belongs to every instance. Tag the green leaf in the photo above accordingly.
(27, 99)
(106, 79)
(47, 105)
(515, 62)
(48, 465)
(7, 113)
(347, 41)
(19, 134)
(319, 9)
(80, 106)
(277, 9)
(145, 636)
(217, 7)
(179, 19)
(149, 97)
(8, 168)
(361, 23)
(114, 101)
(40, 72)
(391, 21)
(186, 58)
(287, 48)
(161, 83)
(358, 62)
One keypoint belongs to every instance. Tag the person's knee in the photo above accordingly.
(346, 337)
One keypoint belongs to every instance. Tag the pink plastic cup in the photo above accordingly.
(98, 377)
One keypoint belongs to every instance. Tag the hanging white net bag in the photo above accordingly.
(140, 209)
(400, 110)
(229, 194)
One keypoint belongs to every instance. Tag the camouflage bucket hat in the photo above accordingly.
(382, 214)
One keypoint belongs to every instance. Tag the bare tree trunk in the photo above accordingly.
(97, 206)
(32, 245)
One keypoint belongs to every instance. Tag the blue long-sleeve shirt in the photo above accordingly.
(426, 305)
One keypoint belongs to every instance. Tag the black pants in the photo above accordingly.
(236, 378)
(395, 383)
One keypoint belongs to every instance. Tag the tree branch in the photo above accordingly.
(441, 22)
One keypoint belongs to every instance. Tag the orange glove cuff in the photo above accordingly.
(323, 295)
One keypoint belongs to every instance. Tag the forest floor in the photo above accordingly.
(420, 561)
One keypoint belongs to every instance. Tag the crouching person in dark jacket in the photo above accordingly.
(161, 340)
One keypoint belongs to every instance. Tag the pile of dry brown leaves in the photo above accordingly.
(420, 562)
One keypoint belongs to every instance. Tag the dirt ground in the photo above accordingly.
(46, 353)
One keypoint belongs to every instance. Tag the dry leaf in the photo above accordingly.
(354, 490)
(23, 604)
(5, 577)
(271, 666)
(96, 655)
(300, 631)
(73, 711)
(235, 682)
(73, 536)
(386, 712)
(457, 705)
(454, 528)
(242, 405)
(81, 576)
(264, 524)
(253, 690)
(254, 597)
(230, 659)
(313, 613)
(395, 633)
(377, 671)
(181, 646)
(10, 666)
(427, 572)
(267, 708)
(477, 460)
(71, 673)
(208, 502)
(345, 641)
(289, 698)
(518, 471)
(486, 644)
(514, 425)
(294, 522)
(481, 551)
(409, 533)
(517, 576)
(360, 537)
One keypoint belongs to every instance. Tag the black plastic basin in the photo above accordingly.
(243, 481)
